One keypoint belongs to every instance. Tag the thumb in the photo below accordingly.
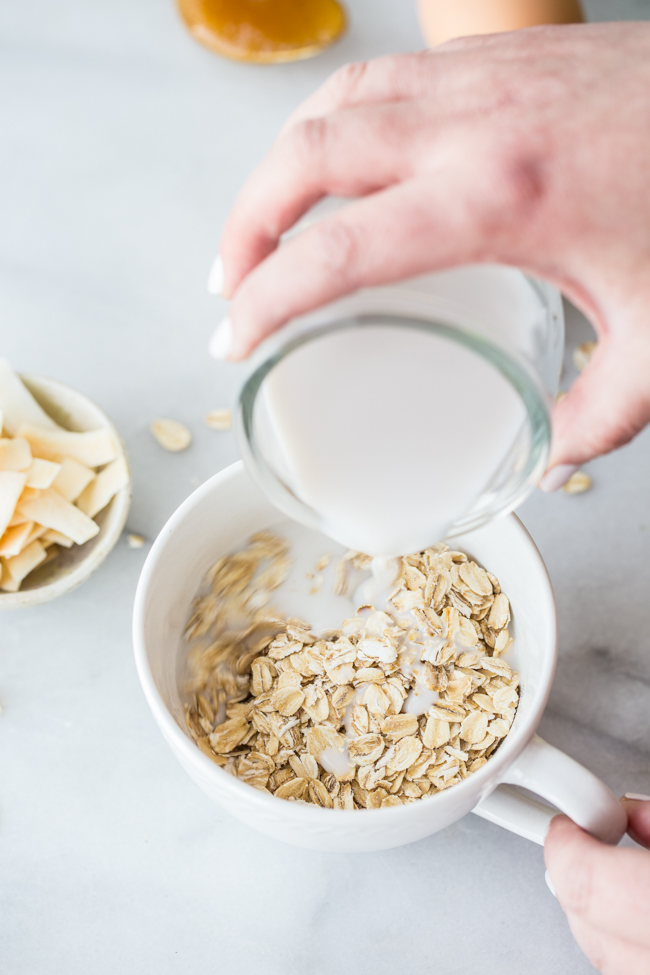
(606, 407)
(637, 808)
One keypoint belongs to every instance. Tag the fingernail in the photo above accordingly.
(557, 477)
(549, 884)
(636, 795)
(221, 341)
(216, 277)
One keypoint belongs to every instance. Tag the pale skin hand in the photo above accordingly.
(530, 149)
(605, 892)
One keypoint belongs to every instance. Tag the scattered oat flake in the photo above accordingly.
(317, 586)
(582, 354)
(218, 419)
(171, 435)
(578, 483)
(341, 578)
(135, 541)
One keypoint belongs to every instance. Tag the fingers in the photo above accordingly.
(638, 817)
(602, 886)
(609, 954)
(327, 261)
(370, 127)
(400, 77)
(415, 227)
(352, 153)
(417, 75)
(388, 79)
(259, 216)
(609, 403)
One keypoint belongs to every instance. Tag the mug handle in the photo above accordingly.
(559, 780)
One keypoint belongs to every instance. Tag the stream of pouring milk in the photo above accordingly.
(324, 610)
(389, 433)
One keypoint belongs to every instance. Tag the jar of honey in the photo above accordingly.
(264, 31)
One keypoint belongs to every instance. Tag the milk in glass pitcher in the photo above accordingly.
(405, 414)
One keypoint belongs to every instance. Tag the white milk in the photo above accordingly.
(389, 433)
(310, 595)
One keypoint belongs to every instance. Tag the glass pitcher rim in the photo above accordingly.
(509, 363)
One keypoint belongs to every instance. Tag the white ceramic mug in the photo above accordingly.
(220, 516)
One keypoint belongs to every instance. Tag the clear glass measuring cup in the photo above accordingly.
(495, 316)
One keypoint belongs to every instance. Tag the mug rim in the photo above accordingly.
(487, 778)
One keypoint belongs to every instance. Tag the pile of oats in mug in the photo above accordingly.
(329, 718)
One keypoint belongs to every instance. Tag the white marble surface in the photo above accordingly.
(122, 144)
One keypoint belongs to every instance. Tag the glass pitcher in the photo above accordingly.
(442, 340)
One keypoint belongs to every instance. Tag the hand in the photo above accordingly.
(530, 148)
(605, 891)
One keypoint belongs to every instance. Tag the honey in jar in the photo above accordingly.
(264, 31)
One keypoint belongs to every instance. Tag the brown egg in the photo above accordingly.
(442, 20)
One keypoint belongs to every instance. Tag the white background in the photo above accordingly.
(122, 145)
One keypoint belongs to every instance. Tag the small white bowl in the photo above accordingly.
(73, 411)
